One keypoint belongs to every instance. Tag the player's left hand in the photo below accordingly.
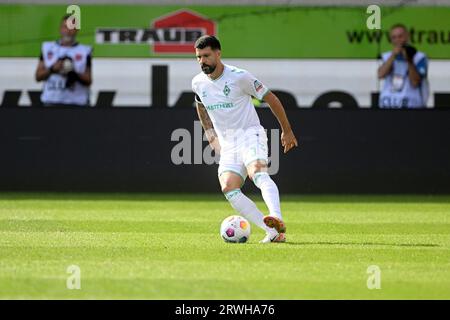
(288, 140)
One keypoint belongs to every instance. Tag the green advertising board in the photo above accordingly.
(245, 31)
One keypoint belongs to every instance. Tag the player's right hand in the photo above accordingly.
(288, 140)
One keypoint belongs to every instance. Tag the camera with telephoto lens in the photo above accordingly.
(68, 71)
(410, 51)
(72, 78)
(67, 65)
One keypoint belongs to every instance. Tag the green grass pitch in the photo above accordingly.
(137, 246)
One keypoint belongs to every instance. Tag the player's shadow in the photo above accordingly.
(330, 243)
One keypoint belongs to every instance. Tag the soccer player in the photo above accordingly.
(65, 66)
(224, 106)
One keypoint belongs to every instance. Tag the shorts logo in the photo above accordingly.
(175, 32)
(226, 90)
(258, 85)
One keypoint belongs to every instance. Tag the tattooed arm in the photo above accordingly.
(207, 125)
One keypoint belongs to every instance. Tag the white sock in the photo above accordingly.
(246, 208)
(269, 191)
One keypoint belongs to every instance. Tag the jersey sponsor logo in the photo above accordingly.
(172, 33)
(226, 105)
(49, 55)
(258, 85)
(78, 57)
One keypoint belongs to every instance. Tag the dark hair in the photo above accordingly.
(65, 17)
(207, 41)
(399, 25)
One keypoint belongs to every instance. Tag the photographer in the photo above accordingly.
(404, 70)
(65, 66)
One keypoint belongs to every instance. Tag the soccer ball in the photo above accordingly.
(235, 229)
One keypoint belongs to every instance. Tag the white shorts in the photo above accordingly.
(247, 148)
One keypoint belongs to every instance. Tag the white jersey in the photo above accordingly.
(398, 91)
(228, 101)
(55, 91)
